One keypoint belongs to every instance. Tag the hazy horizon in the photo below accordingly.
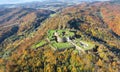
(23, 1)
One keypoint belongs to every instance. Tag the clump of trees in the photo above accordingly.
(46, 60)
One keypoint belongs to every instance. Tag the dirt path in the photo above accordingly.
(77, 47)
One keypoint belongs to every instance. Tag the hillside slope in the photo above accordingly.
(21, 19)
(111, 16)
(90, 23)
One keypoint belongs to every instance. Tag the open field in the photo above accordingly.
(39, 44)
(62, 45)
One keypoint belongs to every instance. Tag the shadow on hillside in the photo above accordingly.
(114, 34)
(75, 23)
(9, 33)
(115, 50)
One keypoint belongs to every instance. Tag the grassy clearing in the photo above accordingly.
(68, 33)
(39, 44)
(50, 34)
(60, 32)
(62, 45)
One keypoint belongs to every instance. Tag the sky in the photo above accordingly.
(22, 1)
(15, 1)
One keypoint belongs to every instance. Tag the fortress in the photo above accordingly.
(62, 39)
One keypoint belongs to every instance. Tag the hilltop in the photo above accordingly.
(93, 26)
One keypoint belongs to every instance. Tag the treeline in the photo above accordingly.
(46, 60)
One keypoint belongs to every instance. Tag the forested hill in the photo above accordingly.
(16, 20)
(29, 49)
